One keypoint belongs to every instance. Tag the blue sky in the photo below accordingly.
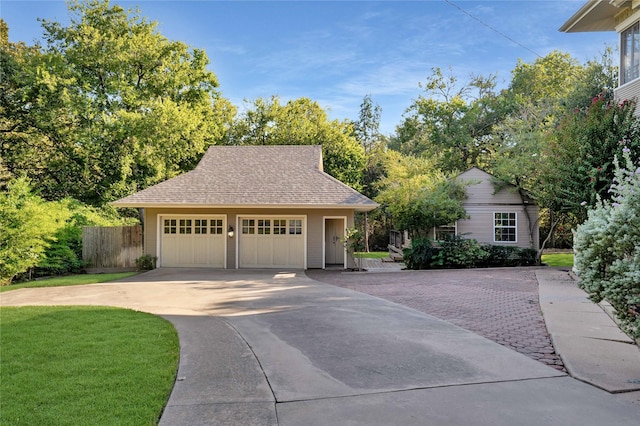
(336, 52)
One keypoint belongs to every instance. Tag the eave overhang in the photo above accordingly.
(595, 15)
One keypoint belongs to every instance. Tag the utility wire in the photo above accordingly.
(492, 28)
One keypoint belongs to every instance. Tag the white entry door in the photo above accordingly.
(271, 242)
(192, 241)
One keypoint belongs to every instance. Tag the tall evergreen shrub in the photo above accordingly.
(607, 247)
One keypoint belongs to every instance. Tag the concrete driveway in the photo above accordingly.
(278, 348)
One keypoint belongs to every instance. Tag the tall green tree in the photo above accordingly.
(417, 196)
(453, 123)
(367, 127)
(302, 122)
(112, 106)
(579, 159)
(27, 227)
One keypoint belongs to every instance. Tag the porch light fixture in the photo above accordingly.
(230, 233)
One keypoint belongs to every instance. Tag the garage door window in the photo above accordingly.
(295, 227)
(264, 227)
(185, 226)
(280, 226)
(248, 226)
(216, 226)
(170, 226)
(200, 226)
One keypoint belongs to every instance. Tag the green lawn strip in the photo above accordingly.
(372, 254)
(69, 280)
(558, 259)
(69, 365)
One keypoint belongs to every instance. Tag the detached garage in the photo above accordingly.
(250, 207)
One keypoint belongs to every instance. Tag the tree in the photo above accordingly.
(579, 167)
(453, 123)
(302, 122)
(26, 228)
(544, 94)
(110, 106)
(546, 83)
(418, 197)
(367, 128)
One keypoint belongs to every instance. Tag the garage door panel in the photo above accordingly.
(192, 241)
(271, 242)
(264, 250)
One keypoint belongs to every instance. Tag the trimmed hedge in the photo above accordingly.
(457, 252)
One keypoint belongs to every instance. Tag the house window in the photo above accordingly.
(279, 226)
(264, 226)
(170, 226)
(215, 226)
(504, 227)
(248, 226)
(442, 232)
(295, 227)
(630, 54)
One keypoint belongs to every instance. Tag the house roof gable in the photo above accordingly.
(483, 188)
(253, 176)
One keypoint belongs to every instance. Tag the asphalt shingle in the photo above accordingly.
(268, 176)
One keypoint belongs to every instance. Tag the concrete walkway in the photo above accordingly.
(588, 340)
(269, 348)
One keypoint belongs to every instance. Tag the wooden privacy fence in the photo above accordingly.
(111, 248)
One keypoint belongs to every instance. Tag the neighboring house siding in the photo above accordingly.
(480, 227)
(483, 201)
(314, 228)
(630, 91)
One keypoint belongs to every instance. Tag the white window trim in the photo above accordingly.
(435, 230)
(493, 218)
(622, 68)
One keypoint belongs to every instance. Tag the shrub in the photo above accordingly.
(63, 255)
(607, 248)
(509, 256)
(458, 252)
(146, 262)
(27, 227)
(420, 255)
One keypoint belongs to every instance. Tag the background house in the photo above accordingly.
(498, 216)
(622, 16)
(250, 207)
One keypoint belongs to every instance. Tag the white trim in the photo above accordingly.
(435, 230)
(324, 240)
(356, 207)
(493, 224)
(160, 225)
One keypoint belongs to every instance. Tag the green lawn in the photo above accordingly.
(558, 259)
(69, 280)
(372, 254)
(70, 365)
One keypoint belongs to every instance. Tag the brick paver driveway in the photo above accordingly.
(499, 304)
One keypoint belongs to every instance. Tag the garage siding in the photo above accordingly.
(314, 228)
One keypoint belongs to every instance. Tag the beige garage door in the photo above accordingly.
(272, 242)
(193, 241)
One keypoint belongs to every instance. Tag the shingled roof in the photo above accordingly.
(253, 176)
